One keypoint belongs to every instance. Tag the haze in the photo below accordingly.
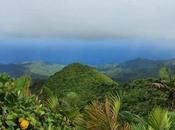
(89, 31)
(88, 18)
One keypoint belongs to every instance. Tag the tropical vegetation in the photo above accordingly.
(81, 98)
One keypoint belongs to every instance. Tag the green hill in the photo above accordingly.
(84, 81)
(42, 68)
(34, 69)
(126, 71)
(135, 69)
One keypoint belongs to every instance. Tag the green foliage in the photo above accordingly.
(63, 102)
(139, 97)
(167, 83)
(52, 102)
(49, 99)
(159, 119)
(103, 115)
(86, 82)
(15, 104)
(4, 77)
(164, 73)
(70, 104)
(138, 127)
(23, 81)
(172, 117)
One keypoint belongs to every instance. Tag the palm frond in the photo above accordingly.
(50, 100)
(139, 127)
(23, 84)
(159, 119)
(164, 73)
(102, 115)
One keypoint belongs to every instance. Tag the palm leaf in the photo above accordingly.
(50, 100)
(102, 115)
(159, 119)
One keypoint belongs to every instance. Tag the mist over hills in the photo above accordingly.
(125, 71)
(135, 69)
(34, 69)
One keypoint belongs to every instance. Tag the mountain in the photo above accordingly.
(129, 70)
(137, 68)
(35, 69)
(84, 81)
(14, 70)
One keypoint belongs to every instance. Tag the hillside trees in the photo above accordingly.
(167, 84)
(21, 110)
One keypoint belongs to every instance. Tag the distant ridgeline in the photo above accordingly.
(136, 69)
(129, 70)
(35, 69)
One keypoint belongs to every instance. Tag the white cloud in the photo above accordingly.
(88, 18)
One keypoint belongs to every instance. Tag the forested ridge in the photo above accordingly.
(119, 72)
(80, 97)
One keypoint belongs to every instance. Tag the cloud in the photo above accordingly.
(88, 18)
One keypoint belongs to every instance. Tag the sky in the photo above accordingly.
(89, 31)
(88, 18)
